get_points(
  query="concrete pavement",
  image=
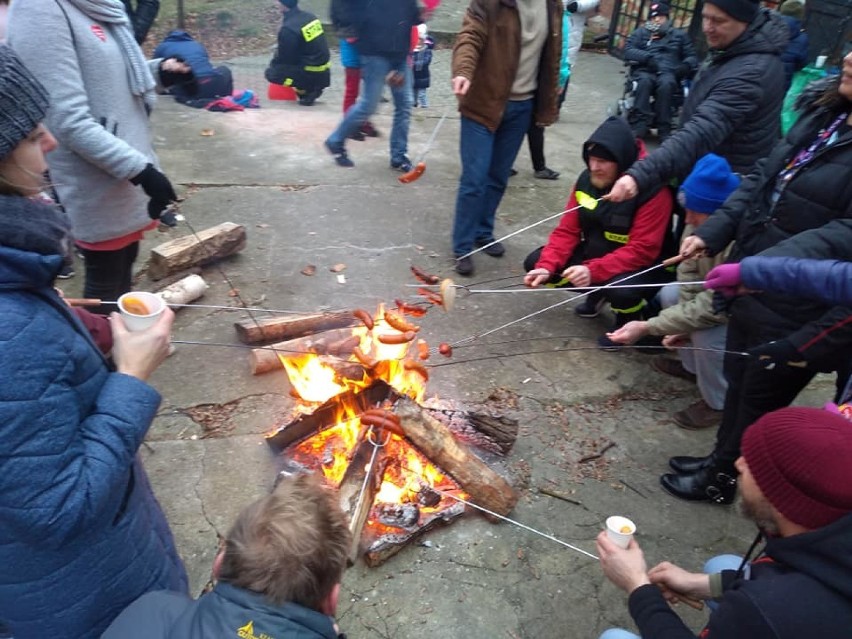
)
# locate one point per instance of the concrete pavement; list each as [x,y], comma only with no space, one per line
[267,169]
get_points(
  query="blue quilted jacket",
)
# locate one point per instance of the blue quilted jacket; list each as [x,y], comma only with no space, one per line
[81,533]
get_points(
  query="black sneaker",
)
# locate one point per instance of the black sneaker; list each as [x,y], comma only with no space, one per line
[589,308]
[464,266]
[547,174]
[403,166]
[67,272]
[358,136]
[369,130]
[606,344]
[340,155]
[495,250]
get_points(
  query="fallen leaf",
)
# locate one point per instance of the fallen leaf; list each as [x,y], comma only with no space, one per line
[234,292]
[207,132]
[310,269]
[337,268]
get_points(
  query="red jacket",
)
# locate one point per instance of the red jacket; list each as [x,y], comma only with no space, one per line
[647,235]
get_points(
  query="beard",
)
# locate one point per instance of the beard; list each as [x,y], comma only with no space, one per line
[759,512]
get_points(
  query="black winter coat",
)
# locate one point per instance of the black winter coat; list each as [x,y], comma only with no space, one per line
[302,57]
[383,27]
[733,108]
[821,191]
[800,587]
[672,52]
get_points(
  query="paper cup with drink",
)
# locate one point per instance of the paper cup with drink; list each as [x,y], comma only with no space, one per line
[620,530]
[140,309]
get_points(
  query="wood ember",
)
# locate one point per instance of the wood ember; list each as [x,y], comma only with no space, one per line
[397,515]
[428,497]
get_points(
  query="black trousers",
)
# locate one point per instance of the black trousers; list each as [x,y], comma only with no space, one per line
[535,137]
[109,275]
[662,86]
[753,391]
[622,301]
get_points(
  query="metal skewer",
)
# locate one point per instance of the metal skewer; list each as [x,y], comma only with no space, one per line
[549,289]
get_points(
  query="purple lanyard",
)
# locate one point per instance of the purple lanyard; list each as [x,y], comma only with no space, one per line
[806,155]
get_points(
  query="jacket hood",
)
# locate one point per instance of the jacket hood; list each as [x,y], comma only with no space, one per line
[817,89]
[767,33]
[616,136]
[825,555]
[231,611]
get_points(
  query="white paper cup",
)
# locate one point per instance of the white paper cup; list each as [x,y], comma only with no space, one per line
[820,61]
[131,305]
[615,527]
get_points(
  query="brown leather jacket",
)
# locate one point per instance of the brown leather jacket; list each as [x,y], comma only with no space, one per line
[487,51]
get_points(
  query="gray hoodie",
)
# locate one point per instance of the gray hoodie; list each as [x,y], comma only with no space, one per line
[102,128]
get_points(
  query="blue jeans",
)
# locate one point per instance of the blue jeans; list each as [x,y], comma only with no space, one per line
[713,565]
[486,160]
[374,69]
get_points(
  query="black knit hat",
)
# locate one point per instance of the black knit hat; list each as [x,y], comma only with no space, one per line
[23,101]
[742,10]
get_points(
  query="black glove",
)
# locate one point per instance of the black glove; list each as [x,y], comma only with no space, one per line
[683,71]
[779,352]
[571,7]
[651,65]
[186,80]
[158,188]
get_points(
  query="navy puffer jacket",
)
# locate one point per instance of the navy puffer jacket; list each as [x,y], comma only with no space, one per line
[733,108]
[81,533]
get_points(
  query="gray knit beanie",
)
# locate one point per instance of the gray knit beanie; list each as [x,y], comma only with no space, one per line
[23,101]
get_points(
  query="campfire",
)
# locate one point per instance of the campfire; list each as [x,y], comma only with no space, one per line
[398,461]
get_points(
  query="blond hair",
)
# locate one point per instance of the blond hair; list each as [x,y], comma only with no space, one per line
[291,545]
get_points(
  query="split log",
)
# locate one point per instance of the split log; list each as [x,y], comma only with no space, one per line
[291,326]
[358,491]
[181,253]
[334,342]
[484,486]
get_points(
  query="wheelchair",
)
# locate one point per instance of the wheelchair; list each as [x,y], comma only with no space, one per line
[625,105]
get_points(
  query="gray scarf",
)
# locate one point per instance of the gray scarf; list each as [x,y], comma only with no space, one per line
[113,14]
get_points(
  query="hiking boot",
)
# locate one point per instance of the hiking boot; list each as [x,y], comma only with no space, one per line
[673,367]
[589,307]
[697,416]
[495,250]
[547,174]
[339,154]
[464,266]
[403,166]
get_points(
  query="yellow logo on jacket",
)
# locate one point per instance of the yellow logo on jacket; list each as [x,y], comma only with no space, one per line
[312,30]
[247,632]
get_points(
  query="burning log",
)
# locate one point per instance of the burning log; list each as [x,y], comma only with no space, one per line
[484,486]
[327,415]
[211,245]
[291,326]
[334,342]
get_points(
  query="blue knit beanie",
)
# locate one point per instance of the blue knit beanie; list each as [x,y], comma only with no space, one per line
[709,184]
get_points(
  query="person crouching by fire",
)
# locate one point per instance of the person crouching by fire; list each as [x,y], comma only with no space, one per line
[278,574]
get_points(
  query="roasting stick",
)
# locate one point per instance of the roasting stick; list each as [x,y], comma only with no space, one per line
[420,166]
[693,603]
[528,227]
[74,301]
[549,289]
[665,263]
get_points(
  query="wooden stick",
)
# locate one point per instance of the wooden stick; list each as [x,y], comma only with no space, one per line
[557,495]
[82,301]
[596,455]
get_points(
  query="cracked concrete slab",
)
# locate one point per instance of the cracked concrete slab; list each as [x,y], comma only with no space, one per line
[267,170]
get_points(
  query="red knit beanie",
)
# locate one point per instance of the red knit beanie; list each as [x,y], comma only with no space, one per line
[801,459]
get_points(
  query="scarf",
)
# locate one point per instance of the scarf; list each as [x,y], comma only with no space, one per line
[29,225]
[114,16]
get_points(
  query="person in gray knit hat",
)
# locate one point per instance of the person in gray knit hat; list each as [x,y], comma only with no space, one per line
[82,535]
